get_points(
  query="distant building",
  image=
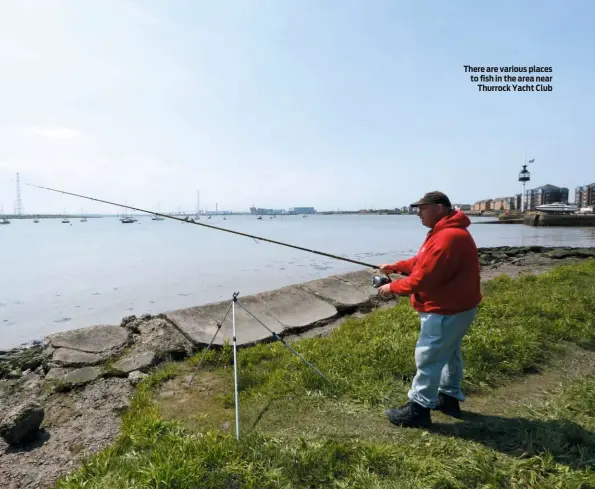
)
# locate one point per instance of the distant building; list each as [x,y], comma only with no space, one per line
[518,201]
[503,204]
[259,210]
[546,194]
[463,207]
[584,196]
[302,210]
[483,205]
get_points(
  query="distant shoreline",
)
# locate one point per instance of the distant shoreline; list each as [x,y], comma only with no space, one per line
[224,213]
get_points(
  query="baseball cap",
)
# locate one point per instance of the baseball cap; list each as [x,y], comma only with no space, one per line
[434,197]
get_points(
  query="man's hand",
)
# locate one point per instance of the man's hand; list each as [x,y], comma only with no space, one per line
[386,268]
[385,291]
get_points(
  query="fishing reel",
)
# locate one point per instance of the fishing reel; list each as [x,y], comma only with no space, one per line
[378,281]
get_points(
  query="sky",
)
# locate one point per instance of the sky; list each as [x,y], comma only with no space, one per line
[336,105]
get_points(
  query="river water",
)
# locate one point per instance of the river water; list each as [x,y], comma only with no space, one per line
[57,277]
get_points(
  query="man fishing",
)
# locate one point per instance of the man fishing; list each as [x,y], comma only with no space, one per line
[443,281]
[444,284]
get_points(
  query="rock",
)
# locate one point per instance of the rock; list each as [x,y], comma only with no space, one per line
[22,423]
[66,357]
[570,253]
[4,369]
[6,392]
[135,361]
[28,358]
[135,377]
[13,374]
[30,381]
[159,336]
[57,373]
[132,326]
[94,339]
[127,320]
[121,406]
[81,376]
[535,259]
[146,317]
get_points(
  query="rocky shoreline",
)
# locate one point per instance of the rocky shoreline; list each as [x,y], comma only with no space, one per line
[61,399]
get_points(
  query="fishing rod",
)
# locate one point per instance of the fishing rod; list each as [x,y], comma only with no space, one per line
[192,221]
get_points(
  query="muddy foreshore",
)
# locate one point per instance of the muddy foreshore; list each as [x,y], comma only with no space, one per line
[61,400]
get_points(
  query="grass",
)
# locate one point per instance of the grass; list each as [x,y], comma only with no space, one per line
[299,432]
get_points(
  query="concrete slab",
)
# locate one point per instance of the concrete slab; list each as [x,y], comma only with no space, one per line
[362,280]
[135,361]
[94,339]
[296,307]
[200,323]
[340,293]
[81,376]
[66,357]
[159,336]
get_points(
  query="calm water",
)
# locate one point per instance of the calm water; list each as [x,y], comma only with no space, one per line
[57,276]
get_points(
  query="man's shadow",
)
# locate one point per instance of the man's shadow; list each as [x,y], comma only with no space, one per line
[568,443]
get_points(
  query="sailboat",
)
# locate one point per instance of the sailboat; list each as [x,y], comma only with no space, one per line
[65,220]
[197,205]
[127,219]
[156,217]
[4,220]
[83,219]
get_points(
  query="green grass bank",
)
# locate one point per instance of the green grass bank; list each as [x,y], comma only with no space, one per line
[298,432]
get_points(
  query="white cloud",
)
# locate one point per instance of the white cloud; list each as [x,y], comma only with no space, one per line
[56,132]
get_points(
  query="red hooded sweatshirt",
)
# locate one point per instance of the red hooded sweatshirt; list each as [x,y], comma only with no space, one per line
[444,276]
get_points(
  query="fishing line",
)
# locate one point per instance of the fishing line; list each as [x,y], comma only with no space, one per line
[189,221]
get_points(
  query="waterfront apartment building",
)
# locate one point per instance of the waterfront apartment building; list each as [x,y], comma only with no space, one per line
[546,194]
[483,205]
[584,196]
[503,204]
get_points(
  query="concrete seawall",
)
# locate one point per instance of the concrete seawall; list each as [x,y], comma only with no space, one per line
[298,308]
[83,355]
[585,220]
[288,310]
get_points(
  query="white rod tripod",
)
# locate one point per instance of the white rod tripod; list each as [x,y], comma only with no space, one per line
[235,362]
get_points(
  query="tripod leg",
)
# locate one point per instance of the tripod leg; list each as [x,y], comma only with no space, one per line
[210,344]
[277,337]
[235,368]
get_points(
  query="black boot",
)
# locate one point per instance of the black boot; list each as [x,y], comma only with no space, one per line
[411,414]
[448,405]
